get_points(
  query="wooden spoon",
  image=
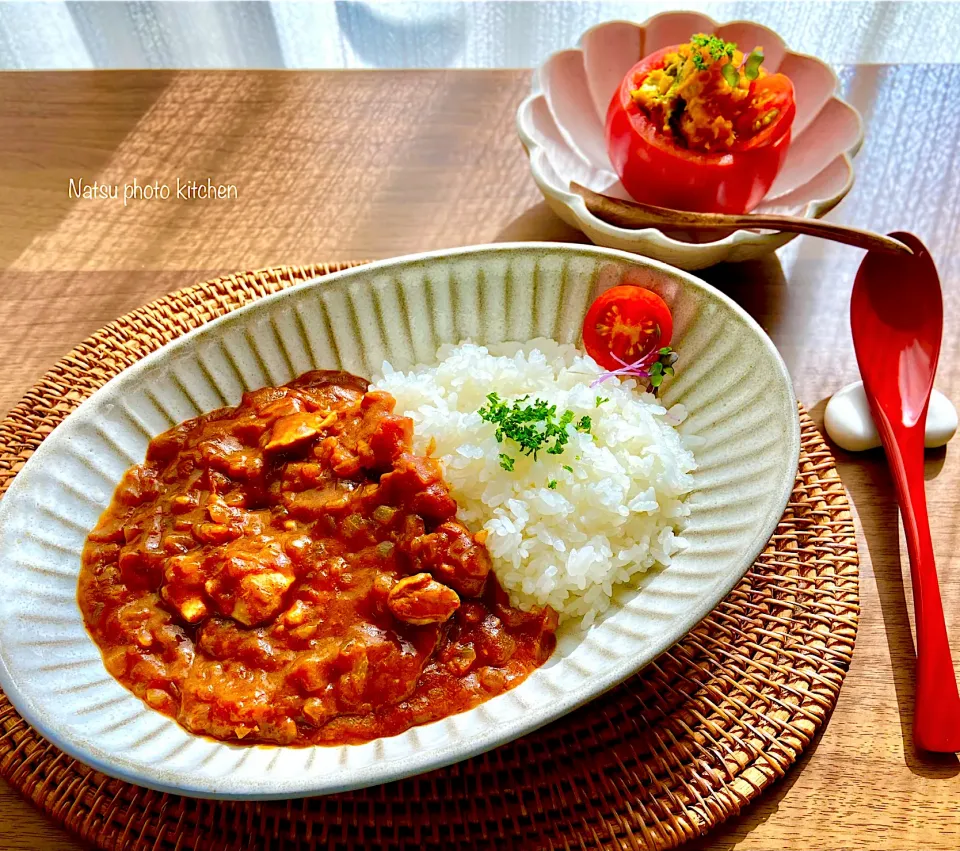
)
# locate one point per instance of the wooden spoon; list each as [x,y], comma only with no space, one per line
[630,214]
[896,315]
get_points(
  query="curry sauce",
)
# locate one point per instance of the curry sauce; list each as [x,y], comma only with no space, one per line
[289,572]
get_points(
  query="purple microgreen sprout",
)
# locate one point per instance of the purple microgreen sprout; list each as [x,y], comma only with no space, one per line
[651,369]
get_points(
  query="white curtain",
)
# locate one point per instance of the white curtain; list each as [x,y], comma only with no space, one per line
[480,34]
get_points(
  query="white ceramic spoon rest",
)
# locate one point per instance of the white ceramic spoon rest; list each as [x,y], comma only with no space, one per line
[849,424]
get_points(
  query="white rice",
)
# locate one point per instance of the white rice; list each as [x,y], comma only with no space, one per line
[616,515]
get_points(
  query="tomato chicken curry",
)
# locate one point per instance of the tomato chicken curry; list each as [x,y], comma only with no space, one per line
[289,572]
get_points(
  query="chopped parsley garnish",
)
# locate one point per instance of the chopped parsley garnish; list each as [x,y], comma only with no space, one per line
[601,400]
[533,425]
[715,46]
[552,484]
[568,468]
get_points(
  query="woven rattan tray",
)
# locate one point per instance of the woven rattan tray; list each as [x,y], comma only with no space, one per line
[662,758]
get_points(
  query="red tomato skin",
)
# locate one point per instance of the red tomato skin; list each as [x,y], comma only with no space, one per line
[636,303]
[656,170]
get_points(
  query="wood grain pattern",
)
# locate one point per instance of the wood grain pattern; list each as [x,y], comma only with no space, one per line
[350,165]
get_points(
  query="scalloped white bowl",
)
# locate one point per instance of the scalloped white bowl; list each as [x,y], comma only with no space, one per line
[730,377]
[561,125]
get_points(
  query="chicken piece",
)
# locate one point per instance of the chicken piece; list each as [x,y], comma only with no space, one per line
[330,387]
[220,512]
[260,597]
[388,435]
[459,658]
[216,533]
[495,645]
[452,555]
[390,439]
[138,485]
[109,530]
[343,461]
[271,402]
[185,503]
[313,672]
[354,663]
[417,483]
[189,605]
[225,639]
[411,533]
[228,701]
[249,427]
[420,599]
[296,614]
[248,579]
[301,475]
[226,454]
[160,700]
[314,503]
[270,408]
[182,585]
[295,431]
[319,710]
[368,667]
[164,447]
[185,570]
[141,558]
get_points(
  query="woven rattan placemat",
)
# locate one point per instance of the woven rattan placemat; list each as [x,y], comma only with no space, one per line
[665,756]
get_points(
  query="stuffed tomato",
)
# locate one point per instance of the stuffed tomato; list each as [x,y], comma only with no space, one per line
[700,127]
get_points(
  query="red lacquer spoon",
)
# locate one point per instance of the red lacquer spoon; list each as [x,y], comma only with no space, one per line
[896,313]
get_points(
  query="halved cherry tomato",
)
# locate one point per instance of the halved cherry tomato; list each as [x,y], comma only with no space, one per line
[628,322]
[655,169]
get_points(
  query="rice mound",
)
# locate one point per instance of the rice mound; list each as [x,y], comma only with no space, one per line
[616,515]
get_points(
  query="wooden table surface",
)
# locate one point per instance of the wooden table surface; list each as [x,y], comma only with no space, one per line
[351,165]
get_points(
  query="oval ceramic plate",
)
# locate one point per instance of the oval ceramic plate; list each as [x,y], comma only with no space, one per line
[730,377]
